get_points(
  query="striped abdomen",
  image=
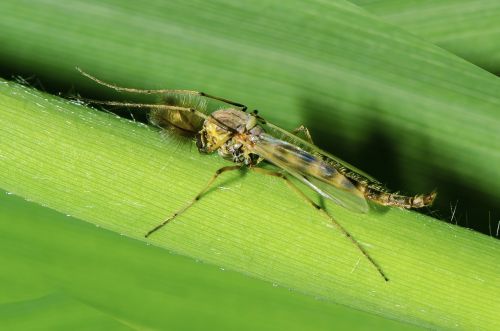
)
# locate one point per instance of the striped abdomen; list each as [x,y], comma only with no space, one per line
[310,168]
[376,192]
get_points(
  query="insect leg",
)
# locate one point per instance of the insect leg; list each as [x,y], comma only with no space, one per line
[233,103]
[146,105]
[159,91]
[324,212]
[305,131]
[196,198]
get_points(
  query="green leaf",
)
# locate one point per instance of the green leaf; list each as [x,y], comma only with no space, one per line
[59,274]
[361,85]
[467,28]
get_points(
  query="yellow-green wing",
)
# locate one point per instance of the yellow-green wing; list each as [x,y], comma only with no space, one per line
[312,171]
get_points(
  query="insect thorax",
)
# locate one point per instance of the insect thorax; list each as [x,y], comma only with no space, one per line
[229,131]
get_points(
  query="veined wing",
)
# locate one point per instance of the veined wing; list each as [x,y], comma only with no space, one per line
[343,167]
[312,171]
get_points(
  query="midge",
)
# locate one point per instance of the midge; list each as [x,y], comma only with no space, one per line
[247,139]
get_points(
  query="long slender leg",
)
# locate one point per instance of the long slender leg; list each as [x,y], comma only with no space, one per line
[146,105]
[304,130]
[324,212]
[159,91]
[196,198]
[158,106]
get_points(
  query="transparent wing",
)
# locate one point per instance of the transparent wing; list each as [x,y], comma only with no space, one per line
[312,171]
[347,169]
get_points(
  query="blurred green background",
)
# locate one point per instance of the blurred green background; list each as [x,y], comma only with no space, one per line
[62,274]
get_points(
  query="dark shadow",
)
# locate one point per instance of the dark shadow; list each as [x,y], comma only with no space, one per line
[377,155]
[85,88]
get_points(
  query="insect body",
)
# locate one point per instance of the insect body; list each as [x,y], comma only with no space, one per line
[247,139]
[242,138]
